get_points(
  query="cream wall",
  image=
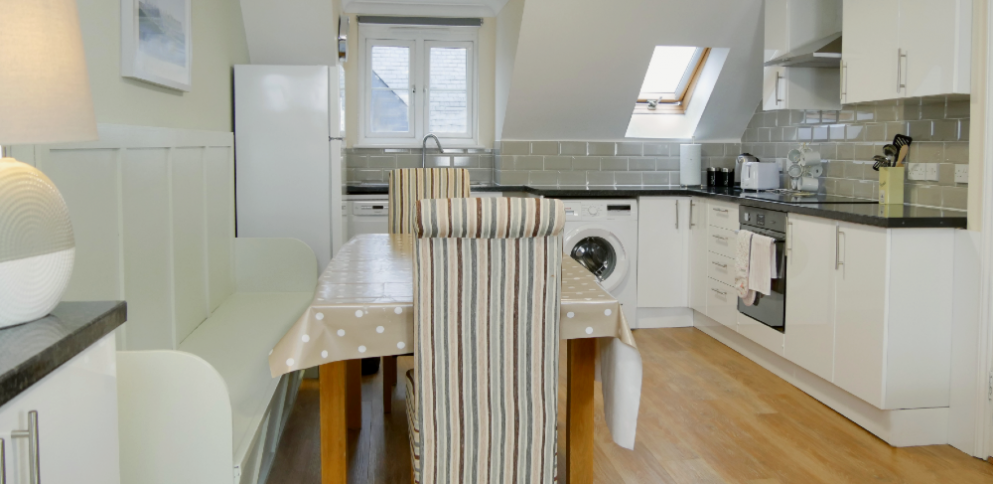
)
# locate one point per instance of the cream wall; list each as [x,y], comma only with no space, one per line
[508,30]
[486,63]
[218,44]
[977,127]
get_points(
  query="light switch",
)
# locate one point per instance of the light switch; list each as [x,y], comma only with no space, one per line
[916,171]
[961,173]
[932,171]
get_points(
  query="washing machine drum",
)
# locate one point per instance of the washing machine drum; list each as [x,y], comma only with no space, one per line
[600,252]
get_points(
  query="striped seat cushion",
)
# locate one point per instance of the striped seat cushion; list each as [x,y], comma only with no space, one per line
[410,185]
[486,308]
[413,431]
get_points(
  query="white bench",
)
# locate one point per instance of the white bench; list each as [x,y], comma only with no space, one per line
[153,213]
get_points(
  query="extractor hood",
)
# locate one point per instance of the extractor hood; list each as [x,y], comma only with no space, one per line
[824,52]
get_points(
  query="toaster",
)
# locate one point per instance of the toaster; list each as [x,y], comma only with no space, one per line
[759,176]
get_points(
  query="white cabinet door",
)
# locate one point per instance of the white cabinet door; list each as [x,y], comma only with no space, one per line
[663,233]
[929,37]
[722,303]
[77,422]
[698,255]
[859,315]
[870,46]
[810,274]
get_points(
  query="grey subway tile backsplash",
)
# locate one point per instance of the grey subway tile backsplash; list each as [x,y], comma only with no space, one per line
[544,147]
[601,148]
[573,148]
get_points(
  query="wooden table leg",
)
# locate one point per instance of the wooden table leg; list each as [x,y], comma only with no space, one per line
[334,435]
[579,411]
[353,394]
[389,381]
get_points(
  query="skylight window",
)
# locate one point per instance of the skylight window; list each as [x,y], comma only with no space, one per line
[671,75]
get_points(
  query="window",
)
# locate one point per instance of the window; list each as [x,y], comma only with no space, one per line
[417,80]
[670,79]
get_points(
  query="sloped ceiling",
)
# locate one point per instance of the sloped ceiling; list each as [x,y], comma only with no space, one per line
[438,8]
[579,64]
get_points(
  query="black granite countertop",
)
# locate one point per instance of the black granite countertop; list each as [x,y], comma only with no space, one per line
[886,216]
[30,351]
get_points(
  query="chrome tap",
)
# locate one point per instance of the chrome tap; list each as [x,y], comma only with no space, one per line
[424,148]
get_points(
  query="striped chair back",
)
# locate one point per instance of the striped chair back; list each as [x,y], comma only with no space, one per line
[486,326]
[409,185]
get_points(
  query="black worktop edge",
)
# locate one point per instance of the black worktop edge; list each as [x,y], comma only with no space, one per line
[631,192]
[44,362]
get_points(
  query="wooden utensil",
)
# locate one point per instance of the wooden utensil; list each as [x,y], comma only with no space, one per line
[903,154]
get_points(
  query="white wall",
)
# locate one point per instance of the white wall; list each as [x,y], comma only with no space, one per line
[580,63]
[218,44]
[291,32]
[508,30]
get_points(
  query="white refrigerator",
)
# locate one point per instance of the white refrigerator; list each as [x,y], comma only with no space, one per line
[288,160]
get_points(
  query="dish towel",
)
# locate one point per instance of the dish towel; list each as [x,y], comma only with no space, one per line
[762,264]
[743,260]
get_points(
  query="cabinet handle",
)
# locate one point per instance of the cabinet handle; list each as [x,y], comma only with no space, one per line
[779,77]
[32,435]
[722,293]
[900,84]
[844,82]
[691,226]
[722,266]
[837,248]
[718,237]
[677,214]
[721,210]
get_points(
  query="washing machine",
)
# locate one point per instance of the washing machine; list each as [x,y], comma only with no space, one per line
[602,235]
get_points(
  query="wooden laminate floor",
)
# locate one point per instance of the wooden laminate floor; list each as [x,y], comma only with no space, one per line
[708,415]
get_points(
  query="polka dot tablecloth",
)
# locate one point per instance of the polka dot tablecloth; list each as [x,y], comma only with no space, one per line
[363,307]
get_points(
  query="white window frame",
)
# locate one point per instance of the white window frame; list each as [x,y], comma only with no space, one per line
[423,38]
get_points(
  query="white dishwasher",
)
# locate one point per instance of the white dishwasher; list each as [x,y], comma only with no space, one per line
[365,214]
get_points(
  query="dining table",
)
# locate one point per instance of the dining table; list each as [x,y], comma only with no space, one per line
[363,308]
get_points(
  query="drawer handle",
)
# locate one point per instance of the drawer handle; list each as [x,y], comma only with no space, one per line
[722,266]
[32,435]
[720,237]
[721,210]
[722,293]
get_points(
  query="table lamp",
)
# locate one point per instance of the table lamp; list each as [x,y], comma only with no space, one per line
[44,98]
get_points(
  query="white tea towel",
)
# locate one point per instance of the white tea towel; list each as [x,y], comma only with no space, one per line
[762,264]
[743,251]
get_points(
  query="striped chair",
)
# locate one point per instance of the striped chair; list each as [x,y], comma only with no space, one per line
[407,187]
[482,398]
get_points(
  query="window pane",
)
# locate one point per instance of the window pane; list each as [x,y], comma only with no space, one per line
[448,112]
[665,71]
[448,68]
[391,66]
[389,111]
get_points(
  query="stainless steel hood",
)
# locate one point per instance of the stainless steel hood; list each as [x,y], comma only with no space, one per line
[824,52]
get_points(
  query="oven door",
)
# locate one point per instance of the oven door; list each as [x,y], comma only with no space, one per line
[771,310]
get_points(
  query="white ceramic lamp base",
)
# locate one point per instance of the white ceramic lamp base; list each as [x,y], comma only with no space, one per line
[37,248]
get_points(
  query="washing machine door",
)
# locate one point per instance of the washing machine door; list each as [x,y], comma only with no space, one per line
[600,252]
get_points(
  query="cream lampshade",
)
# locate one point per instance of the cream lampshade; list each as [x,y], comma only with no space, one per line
[44,98]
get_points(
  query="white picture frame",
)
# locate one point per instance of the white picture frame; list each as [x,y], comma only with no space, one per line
[157,42]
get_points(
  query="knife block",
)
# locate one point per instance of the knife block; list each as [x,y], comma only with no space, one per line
[891,185]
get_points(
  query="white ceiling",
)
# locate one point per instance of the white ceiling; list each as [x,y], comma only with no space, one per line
[422,8]
[579,64]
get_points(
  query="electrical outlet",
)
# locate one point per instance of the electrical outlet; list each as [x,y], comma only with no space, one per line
[916,171]
[961,173]
[932,171]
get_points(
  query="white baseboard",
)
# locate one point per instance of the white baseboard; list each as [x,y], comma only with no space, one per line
[899,428]
[664,318]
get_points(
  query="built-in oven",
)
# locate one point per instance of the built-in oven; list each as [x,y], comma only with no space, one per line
[769,310]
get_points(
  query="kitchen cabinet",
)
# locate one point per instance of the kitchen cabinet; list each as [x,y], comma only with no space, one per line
[76,409]
[698,255]
[860,332]
[790,24]
[854,314]
[722,228]
[663,236]
[905,48]
[810,301]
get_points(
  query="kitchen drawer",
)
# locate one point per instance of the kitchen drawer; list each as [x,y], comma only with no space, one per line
[721,242]
[721,268]
[723,216]
[722,303]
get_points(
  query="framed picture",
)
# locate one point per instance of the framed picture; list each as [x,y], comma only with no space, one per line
[156,42]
